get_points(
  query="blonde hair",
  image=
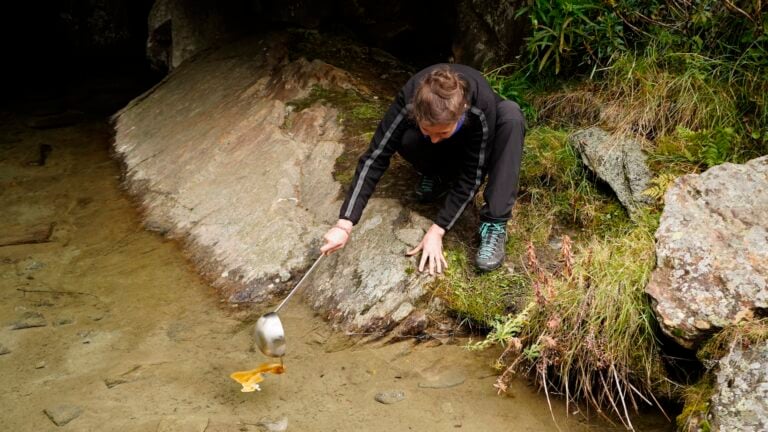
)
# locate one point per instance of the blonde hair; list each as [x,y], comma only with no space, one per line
[440,97]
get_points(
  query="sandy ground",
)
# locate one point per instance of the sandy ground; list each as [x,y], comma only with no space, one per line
[131,339]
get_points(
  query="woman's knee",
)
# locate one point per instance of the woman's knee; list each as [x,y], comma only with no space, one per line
[509,112]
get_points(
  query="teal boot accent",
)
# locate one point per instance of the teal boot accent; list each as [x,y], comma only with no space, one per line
[430,189]
[493,244]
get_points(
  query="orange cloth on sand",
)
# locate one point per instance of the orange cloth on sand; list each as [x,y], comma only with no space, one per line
[250,379]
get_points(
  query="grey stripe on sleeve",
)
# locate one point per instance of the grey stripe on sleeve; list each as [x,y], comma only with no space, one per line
[371,159]
[480,162]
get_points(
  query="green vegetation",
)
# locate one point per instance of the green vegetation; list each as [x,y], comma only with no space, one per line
[478,299]
[696,397]
[588,331]
[694,416]
[690,80]
[358,113]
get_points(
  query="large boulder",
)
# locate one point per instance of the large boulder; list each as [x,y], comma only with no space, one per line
[712,251]
[740,402]
[618,161]
[219,159]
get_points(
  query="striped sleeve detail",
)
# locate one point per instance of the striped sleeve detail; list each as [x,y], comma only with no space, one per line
[480,163]
[371,159]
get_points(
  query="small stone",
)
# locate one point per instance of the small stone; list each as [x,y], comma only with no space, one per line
[29,320]
[40,365]
[63,414]
[403,311]
[114,381]
[4,350]
[63,321]
[34,265]
[285,275]
[555,243]
[414,325]
[273,425]
[390,397]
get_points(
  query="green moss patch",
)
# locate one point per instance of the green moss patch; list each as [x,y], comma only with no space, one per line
[359,114]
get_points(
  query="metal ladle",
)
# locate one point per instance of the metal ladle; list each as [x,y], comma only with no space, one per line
[268,332]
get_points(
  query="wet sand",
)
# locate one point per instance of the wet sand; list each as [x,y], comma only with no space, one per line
[132,338]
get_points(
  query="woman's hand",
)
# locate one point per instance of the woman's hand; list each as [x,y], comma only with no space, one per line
[336,237]
[432,250]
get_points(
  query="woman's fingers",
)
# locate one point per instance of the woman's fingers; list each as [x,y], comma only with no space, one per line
[413,251]
[334,239]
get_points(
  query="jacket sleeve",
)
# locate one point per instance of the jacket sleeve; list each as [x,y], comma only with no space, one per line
[470,177]
[375,160]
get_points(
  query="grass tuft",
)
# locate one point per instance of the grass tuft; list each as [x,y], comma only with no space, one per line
[477,299]
[588,331]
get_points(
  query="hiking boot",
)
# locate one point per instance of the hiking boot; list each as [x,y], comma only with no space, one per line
[493,243]
[430,189]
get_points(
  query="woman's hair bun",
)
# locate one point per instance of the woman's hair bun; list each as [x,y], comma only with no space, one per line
[440,97]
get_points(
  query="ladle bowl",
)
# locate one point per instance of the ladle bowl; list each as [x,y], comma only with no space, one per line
[269,335]
[268,331]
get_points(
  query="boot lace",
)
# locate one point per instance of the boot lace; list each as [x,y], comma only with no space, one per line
[491,236]
[427,184]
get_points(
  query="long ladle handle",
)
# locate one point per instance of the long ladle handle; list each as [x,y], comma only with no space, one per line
[299,284]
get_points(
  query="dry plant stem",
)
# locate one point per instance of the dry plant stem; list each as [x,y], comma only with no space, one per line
[621,392]
[607,393]
[546,392]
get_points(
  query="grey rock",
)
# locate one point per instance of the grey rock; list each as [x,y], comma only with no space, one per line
[390,397]
[619,162]
[712,251]
[410,236]
[280,172]
[4,350]
[402,311]
[29,320]
[269,425]
[60,415]
[414,325]
[366,288]
[740,402]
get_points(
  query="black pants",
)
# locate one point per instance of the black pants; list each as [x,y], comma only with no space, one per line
[502,170]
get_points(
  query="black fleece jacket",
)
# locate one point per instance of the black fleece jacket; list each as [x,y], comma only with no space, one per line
[477,132]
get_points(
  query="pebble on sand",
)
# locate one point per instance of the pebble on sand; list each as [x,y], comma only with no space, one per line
[4,349]
[63,414]
[29,320]
[390,397]
[274,425]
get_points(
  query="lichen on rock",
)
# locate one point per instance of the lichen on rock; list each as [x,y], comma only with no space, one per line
[712,251]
